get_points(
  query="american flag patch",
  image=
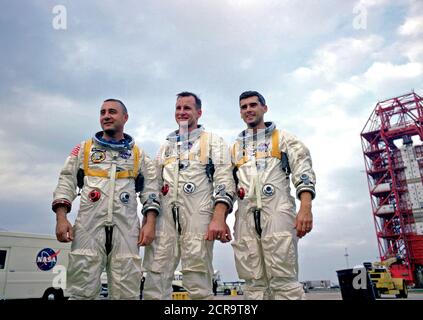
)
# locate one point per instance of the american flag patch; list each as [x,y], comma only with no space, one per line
[75,150]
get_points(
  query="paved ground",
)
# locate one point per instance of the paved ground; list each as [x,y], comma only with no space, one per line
[331,295]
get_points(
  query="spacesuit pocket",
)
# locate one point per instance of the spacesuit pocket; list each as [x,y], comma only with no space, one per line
[280,255]
[84,270]
[125,275]
[194,253]
[247,259]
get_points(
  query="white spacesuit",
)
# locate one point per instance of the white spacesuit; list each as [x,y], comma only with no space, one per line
[184,166]
[107,227]
[265,241]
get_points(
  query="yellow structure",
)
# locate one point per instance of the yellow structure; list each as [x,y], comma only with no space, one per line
[383,281]
[180,295]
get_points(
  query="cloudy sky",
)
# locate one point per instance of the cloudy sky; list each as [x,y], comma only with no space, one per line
[322,66]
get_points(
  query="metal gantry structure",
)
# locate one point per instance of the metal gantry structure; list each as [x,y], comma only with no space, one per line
[393,155]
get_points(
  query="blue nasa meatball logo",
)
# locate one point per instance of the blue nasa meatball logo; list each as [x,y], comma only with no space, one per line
[46,259]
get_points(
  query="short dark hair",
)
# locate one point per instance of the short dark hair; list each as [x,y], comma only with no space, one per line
[120,102]
[249,94]
[190,94]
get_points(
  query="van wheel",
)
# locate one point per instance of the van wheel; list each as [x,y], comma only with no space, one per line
[375,291]
[53,294]
[404,292]
[419,277]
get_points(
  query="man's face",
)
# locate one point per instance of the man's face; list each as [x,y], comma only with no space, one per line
[252,111]
[112,117]
[186,113]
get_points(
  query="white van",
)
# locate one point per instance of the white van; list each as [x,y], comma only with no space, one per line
[32,266]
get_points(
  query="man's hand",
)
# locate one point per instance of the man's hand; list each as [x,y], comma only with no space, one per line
[304,220]
[218,228]
[64,231]
[148,229]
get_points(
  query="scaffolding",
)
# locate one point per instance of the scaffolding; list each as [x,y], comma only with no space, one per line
[393,156]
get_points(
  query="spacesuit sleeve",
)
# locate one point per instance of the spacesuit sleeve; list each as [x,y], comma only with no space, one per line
[303,176]
[234,153]
[65,191]
[149,196]
[223,178]
[158,164]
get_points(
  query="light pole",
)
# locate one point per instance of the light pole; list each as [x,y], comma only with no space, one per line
[346,257]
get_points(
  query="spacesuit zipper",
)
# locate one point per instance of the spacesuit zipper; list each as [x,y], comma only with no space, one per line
[109,236]
[175,213]
[257,222]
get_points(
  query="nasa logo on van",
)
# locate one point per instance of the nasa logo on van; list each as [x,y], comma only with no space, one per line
[46,259]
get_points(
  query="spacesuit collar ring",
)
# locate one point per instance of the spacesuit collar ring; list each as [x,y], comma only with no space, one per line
[191,136]
[250,135]
[126,144]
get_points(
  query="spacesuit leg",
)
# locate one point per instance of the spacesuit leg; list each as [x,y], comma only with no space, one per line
[197,268]
[256,289]
[158,285]
[249,263]
[86,262]
[281,260]
[161,258]
[124,267]
[287,289]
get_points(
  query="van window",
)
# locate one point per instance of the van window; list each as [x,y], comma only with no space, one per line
[2,259]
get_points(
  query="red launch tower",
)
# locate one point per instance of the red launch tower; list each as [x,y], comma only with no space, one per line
[393,155]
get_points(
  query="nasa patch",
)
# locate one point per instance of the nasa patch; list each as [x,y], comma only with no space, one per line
[263,147]
[98,157]
[46,259]
[125,154]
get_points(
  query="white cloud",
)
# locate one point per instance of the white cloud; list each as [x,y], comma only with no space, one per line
[319,97]
[244,3]
[304,74]
[341,94]
[346,70]
[372,3]
[413,26]
[413,51]
[388,79]
[149,130]
[339,59]
[388,70]
[331,127]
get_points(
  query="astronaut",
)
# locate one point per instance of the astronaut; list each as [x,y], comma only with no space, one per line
[108,170]
[267,227]
[193,166]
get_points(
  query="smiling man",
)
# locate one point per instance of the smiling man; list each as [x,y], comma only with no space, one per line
[108,170]
[192,165]
[267,226]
